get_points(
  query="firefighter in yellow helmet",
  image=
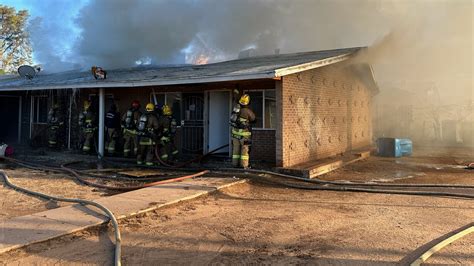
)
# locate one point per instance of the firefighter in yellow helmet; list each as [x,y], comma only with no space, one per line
[55,124]
[88,126]
[147,130]
[241,119]
[167,129]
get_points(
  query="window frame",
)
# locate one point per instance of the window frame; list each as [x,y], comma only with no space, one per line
[34,113]
[165,94]
[180,94]
[264,99]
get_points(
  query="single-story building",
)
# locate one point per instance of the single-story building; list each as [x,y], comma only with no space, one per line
[309,105]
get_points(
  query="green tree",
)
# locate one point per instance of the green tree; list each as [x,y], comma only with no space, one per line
[15,46]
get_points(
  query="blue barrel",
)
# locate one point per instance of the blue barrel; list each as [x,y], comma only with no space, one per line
[392,147]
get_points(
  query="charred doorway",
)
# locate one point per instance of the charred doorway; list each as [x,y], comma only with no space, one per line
[10,119]
[193,123]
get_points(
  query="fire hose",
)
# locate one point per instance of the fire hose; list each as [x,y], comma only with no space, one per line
[440,245]
[82,180]
[348,186]
[63,168]
[198,158]
[112,219]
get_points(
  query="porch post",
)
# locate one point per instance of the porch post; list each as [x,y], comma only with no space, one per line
[101,122]
[71,99]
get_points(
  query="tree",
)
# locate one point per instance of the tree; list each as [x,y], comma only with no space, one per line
[15,46]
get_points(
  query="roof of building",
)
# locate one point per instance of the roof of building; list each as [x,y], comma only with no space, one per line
[260,67]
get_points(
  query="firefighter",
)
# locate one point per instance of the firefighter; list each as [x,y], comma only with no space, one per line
[88,125]
[241,120]
[167,129]
[55,123]
[129,125]
[112,124]
[146,131]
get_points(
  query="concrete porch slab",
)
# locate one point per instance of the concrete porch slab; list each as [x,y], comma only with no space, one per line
[22,231]
[316,168]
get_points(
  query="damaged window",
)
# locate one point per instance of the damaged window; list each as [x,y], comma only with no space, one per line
[263,104]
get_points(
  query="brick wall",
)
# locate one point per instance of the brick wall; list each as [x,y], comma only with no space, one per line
[324,111]
[263,145]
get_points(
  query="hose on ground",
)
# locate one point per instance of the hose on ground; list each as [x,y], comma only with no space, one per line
[336,183]
[77,175]
[198,158]
[314,180]
[440,245]
[113,220]
[369,190]
[88,173]
[82,180]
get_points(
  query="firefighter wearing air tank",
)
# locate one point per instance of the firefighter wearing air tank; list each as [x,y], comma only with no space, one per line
[241,120]
[147,129]
[88,125]
[55,123]
[129,125]
[167,126]
[112,128]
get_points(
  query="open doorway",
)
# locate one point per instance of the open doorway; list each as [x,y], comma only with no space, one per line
[10,132]
[218,130]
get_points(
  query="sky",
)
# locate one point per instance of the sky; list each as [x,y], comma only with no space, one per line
[56,18]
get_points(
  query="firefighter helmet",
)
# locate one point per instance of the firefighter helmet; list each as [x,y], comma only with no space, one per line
[135,104]
[166,110]
[55,106]
[150,107]
[87,105]
[245,99]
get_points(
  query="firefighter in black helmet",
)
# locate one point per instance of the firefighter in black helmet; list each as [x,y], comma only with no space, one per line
[147,129]
[112,128]
[129,125]
[88,125]
[55,123]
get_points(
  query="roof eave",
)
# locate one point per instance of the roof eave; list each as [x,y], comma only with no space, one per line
[311,65]
[98,84]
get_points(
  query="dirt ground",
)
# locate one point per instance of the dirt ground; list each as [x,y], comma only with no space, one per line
[14,204]
[257,223]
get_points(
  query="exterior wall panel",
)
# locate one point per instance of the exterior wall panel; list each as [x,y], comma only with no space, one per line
[325,112]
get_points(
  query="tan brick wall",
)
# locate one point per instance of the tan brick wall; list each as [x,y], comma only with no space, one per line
[325,112]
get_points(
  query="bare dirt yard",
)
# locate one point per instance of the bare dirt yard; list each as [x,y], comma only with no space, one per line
[14,204]
[259,223]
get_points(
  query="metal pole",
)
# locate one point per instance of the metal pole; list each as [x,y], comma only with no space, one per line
[101,122]
[20,103]
[71,99]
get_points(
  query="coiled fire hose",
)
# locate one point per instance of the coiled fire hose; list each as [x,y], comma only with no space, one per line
[112,219]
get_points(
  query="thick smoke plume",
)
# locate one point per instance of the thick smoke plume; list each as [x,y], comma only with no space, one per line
[420,48]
